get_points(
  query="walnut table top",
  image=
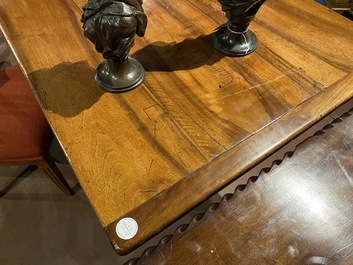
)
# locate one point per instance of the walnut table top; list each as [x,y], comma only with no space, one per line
[157,151]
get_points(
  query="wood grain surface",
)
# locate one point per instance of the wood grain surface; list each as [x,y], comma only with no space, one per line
[157,151]
[298,212]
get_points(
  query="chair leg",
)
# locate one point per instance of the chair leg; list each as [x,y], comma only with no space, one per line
[26,172]
[49,167]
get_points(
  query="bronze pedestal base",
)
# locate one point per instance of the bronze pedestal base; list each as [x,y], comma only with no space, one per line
[119,76]
[235,43]
[234,38]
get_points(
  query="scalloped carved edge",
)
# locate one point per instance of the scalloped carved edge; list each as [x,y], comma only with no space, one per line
[240,189]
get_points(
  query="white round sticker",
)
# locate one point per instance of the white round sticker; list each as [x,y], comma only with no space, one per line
[126,228]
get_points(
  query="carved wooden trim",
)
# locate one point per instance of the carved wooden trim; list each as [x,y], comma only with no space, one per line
[340,4]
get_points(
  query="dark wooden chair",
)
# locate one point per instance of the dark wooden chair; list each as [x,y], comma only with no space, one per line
[298,212]
[25,134]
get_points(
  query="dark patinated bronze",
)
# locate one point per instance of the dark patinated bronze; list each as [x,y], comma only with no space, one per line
[234,38]
[111,25]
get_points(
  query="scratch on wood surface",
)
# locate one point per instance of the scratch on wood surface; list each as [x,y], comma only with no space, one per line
[216,252]
[149,169]
[344,170]
[344,248]
[151,190]
[265,83]
[154,135]
[161,254]
[253,87]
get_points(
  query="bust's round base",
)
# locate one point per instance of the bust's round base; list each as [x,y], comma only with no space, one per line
[234,44]
[120,76]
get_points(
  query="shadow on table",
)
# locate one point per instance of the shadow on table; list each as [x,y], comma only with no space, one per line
[67,89]
[185,55]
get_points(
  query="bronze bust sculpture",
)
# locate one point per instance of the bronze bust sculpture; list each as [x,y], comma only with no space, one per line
[111,25]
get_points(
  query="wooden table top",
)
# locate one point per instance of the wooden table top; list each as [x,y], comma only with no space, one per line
[199,120]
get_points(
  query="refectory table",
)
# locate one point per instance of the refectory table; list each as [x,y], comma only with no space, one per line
[198,121]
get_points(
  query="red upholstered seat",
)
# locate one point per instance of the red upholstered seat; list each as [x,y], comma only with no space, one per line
[24,131]
[25,134]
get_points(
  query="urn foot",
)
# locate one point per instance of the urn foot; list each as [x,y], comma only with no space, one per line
[235,43]
[119,76]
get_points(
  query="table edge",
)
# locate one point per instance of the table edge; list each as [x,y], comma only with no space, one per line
[335,95]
